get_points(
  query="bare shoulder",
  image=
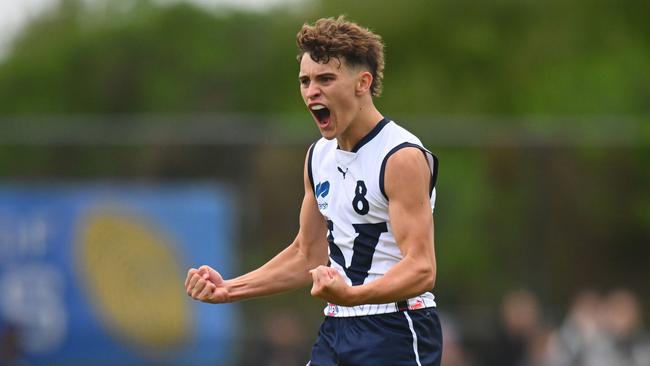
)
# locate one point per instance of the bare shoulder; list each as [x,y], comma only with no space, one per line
[407,172]
[407,157]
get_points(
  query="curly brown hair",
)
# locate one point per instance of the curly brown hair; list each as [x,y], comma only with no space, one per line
[337,37]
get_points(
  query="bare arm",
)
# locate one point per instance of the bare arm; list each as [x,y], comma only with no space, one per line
[407,182]
[287,271]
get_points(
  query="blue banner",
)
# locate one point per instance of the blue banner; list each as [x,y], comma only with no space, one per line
[94,274]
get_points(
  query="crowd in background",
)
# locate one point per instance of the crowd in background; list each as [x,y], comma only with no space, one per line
[597,330]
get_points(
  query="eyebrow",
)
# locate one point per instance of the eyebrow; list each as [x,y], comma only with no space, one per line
[302,76]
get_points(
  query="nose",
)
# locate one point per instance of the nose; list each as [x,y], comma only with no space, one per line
[313,91]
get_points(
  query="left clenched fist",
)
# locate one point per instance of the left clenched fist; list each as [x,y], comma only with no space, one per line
[330,286]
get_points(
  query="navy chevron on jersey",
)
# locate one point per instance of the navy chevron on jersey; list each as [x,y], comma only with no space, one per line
[349,188]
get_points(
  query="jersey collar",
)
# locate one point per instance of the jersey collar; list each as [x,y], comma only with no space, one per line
[369,136]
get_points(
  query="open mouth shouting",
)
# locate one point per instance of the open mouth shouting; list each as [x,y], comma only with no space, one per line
[321,114]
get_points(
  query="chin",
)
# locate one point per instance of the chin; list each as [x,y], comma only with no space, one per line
[327,135]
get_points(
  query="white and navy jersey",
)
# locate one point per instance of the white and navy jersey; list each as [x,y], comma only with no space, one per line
[349,188]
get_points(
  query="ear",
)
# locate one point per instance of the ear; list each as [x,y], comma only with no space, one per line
[364,82]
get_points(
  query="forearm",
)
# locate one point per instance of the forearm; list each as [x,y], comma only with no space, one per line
[289,270]
[408,278]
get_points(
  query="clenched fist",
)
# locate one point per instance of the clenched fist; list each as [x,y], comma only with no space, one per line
[205,284]
[329,285]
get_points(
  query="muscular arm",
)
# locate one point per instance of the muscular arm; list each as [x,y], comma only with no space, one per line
[406,182]
[288,270]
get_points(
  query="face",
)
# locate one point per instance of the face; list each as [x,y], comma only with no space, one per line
[329,91]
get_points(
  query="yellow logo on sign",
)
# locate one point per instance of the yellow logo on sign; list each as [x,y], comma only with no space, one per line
[133,280]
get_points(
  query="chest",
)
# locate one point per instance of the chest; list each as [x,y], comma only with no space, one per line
[347,187]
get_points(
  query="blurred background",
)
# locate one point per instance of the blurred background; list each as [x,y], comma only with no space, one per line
[139,138]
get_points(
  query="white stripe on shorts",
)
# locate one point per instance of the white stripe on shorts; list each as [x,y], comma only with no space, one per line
[415,339]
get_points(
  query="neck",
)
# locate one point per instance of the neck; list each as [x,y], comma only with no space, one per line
[360,126]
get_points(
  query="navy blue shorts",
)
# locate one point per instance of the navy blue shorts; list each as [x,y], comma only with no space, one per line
[410,337]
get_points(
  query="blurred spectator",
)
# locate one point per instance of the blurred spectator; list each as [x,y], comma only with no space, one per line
[572,342]
[622,323]
[601,331]
[11,353]
[283,343]
[522,336]
[453,351]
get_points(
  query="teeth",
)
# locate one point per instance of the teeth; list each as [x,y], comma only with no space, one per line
[317,107]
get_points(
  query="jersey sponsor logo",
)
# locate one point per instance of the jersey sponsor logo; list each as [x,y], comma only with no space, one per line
[332,309]
[419,304]
[343,172]
[322,190]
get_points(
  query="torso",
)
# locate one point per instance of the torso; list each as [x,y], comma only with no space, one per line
[349,189]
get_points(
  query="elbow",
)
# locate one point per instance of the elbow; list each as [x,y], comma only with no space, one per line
[432,275]
[321,261]
[427,277]
[318,256]
[313,253]
[429,280]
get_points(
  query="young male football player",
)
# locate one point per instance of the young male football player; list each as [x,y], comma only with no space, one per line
[369,196]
